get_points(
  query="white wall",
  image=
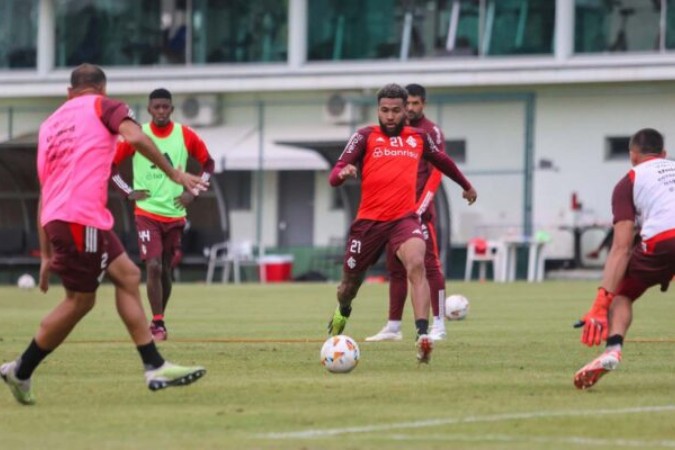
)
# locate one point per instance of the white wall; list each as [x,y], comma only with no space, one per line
[571,128]
[328,223]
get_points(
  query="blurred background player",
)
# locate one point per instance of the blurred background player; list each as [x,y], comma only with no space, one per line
[76,145]
[644,195]
[388,156]
[428,180]
[160,203]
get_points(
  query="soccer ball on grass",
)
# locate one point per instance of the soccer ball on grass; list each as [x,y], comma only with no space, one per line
[25,281]
[340,354]
[456,307]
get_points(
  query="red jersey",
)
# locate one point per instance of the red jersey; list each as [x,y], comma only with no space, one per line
[428,178]
[389,166]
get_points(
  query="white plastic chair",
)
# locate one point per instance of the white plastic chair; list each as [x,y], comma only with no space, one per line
[230,256]
[483,252]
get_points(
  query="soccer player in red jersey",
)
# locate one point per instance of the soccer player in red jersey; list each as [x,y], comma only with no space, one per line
[160,203]
[428,181]
[644,199]
[76,145]
[388,156]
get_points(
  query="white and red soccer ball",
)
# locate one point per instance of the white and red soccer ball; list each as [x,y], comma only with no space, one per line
[340,354]
[456,307]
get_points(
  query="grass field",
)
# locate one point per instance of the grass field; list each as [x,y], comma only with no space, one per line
[503,379]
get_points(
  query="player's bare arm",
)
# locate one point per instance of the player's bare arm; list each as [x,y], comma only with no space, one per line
[619,255]
[45,253]
[142,143]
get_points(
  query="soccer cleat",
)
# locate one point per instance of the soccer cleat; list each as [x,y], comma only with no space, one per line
[588,375]
[20,388]
[159,332]
[424,347]
[172,375]
[385,335]
[337,324]
[437,332]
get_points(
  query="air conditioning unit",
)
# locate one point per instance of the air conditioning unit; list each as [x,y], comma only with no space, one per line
[340,109]
[199,110]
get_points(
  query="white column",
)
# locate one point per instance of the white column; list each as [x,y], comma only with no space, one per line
[564,29]
[297,33]
[46,37]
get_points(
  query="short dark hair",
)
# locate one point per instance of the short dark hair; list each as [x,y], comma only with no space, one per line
[392,91]
[87,75]
[160,93]
[647,141]
[417,90]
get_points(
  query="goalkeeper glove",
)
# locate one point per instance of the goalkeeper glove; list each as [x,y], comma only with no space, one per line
[594,323]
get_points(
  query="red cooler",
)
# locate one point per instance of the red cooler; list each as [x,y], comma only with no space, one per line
[276,268]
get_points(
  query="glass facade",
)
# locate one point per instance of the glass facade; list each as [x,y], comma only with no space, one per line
[624,26]
[18,33]
[239,31]
[402,29]
[108,32]
[180,32]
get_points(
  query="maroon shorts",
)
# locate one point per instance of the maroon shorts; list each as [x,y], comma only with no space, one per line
[432,259]
[159,239]
[81,254]
[647,269]
[368,239]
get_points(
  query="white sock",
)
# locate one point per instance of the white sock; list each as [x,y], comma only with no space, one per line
[438,322]
[394,325]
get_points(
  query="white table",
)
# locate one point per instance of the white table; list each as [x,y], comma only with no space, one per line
[535,258]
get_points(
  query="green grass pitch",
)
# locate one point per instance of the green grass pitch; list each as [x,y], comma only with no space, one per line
[503,379]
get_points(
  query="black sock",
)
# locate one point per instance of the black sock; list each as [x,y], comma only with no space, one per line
[345,310]
[30,359]
[150,356]
[159,323]
[422,326]
[615,339]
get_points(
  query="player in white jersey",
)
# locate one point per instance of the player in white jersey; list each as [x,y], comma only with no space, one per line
[643,199]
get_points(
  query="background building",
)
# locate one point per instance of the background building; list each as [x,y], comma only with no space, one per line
[537,99]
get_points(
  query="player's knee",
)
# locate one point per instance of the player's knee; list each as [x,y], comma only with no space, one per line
[415,265]
[154,268]
[82,303]
[132,275]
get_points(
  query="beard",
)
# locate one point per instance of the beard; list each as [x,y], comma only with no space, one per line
[396,131]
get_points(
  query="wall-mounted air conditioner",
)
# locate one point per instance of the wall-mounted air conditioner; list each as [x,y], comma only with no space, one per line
[199,110]
[342,109]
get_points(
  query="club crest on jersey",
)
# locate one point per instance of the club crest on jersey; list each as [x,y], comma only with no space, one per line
[351,262]
[411,141]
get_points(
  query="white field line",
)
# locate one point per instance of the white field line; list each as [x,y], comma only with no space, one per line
[319,433]
[504,438]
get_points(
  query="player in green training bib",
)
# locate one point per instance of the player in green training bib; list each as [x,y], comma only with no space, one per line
[160,203]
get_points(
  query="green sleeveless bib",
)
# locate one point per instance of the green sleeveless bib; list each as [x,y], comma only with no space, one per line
[162,190]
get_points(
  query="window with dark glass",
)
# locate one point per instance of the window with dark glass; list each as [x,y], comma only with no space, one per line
[617,147]
[18,33]
[119,33]
[239,31]
[456,149]
[623,25]
[237,186]
[402,29]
